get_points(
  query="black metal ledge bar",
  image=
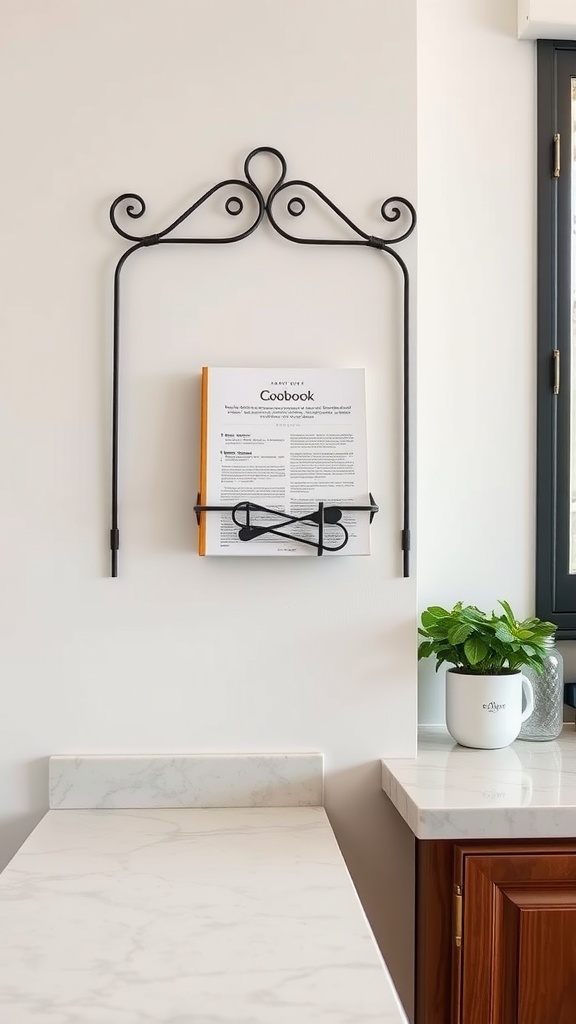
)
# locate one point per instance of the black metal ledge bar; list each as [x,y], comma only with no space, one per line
[323,515]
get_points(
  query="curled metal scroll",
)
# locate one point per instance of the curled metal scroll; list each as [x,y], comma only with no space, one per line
[395,210]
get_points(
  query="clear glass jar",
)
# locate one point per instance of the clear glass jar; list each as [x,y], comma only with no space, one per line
[545,722]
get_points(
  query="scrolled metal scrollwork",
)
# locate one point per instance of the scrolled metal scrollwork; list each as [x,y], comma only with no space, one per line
[392,210]
[389,213]
[396,214]
[296,212]
[129,198]
[273,199]
[238,206]
[129,210]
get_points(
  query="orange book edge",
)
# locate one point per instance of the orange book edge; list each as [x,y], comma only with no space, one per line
[203,460]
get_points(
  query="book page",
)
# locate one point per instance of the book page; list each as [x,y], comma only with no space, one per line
[285,439]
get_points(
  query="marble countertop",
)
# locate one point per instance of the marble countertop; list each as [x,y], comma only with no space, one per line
[524,791]
[187,916]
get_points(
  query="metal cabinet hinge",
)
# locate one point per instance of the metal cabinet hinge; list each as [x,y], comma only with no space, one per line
[556,371]
[557,155]
[457,915]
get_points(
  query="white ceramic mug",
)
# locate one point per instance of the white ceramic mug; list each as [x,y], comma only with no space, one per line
[486,711]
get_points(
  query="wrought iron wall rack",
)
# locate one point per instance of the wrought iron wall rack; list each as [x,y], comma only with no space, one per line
[392,210]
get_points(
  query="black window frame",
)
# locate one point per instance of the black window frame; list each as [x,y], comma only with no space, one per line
[555,585]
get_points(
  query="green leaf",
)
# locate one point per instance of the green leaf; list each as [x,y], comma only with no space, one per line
[431,621]
[504,633]
[531,623]
[437,632]
[528,649]
[511,618]
[475,649]
[459,633]
[541,629]
[471,614]
[425,649]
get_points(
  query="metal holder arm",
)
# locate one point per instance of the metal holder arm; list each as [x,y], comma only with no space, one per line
[323,515]
[392,210]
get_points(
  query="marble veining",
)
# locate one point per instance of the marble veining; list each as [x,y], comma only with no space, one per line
[187,916]
[186,780]
[526,790]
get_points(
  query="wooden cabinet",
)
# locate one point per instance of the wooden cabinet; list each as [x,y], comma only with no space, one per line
[496,932]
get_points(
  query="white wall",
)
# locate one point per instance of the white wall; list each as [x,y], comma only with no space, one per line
[165,98]
[476,312]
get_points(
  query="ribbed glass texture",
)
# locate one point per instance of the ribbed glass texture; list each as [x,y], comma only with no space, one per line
[545,722]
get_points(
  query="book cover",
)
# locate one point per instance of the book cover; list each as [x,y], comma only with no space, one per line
[284,439]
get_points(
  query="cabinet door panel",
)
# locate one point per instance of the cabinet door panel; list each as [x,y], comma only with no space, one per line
[519,939]
[547,961]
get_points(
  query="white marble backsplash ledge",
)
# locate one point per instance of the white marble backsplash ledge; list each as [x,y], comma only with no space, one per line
[186,780]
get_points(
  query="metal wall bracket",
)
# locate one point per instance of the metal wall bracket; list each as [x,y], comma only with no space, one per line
[392,210]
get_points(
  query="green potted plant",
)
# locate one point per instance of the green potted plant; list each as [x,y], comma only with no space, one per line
[484,683]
